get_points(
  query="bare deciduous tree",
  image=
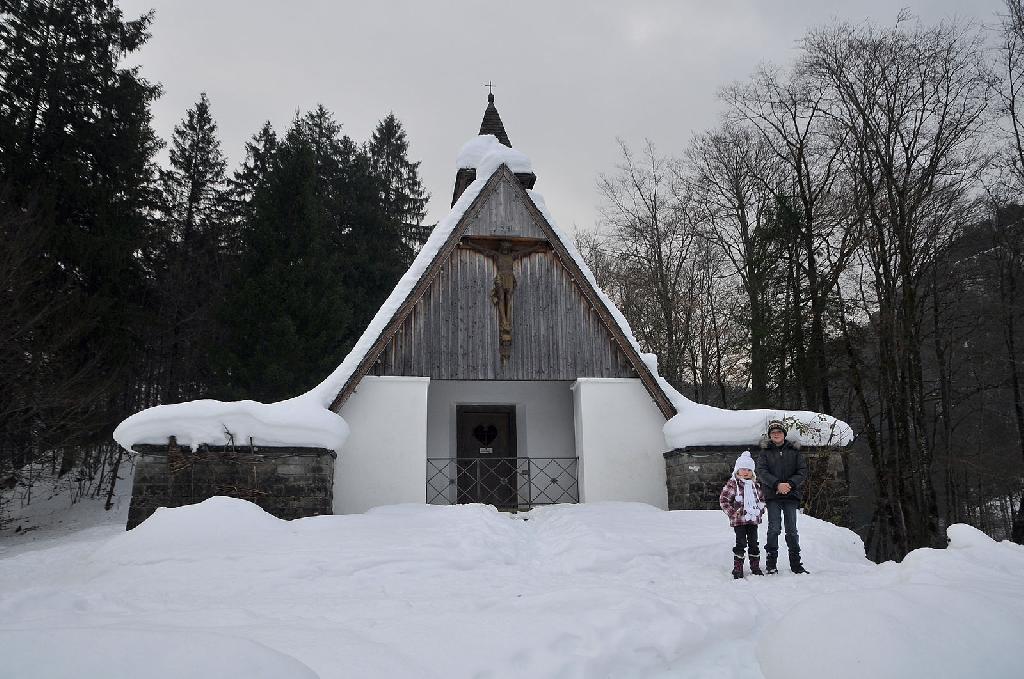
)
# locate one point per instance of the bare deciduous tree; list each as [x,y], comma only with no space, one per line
[651,242]
[734,178]
[909,102]
[787,109]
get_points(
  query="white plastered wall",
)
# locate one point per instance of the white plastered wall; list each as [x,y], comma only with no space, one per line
[384,460]
[619,441]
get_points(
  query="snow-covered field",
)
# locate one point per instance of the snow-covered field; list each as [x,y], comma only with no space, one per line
[222,589]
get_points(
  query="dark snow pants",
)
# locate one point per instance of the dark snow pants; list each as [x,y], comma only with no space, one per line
[746,536]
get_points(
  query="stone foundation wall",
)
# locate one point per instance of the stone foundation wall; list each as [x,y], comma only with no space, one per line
[695,477]
[289,483]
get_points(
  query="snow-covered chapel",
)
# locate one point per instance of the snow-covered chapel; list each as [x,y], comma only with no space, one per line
[496,371]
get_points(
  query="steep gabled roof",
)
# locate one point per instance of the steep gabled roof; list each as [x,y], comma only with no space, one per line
[397,308]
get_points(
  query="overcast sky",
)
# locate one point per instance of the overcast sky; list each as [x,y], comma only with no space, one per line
[569,77]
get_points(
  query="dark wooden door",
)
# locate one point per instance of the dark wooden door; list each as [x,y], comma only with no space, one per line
[486,451]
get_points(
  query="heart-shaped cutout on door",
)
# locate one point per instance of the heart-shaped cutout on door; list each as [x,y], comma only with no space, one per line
[485,434]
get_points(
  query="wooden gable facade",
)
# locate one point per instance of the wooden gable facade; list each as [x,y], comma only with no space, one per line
[450,326]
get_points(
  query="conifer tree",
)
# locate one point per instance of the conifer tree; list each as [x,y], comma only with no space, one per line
[402,196]
[189,270]
[193,187]
[287,315]
[318,258]
[76,148]
[247,180]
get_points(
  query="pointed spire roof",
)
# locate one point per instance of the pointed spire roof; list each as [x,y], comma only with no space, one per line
[491,124]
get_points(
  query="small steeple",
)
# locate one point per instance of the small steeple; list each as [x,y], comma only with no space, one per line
[491,124]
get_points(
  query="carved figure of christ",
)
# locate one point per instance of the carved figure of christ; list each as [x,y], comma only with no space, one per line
[504,256]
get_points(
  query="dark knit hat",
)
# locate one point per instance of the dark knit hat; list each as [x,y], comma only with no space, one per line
[777,424]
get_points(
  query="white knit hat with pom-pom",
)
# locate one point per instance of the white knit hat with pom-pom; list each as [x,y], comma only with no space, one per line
[744,461]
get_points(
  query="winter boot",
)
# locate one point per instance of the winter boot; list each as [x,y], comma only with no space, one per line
[770,566]
[793,546]
[755,565]
[737,564]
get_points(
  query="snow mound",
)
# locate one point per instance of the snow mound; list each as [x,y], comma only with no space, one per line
[298,421]
[413,591]
[938,614]
[118,653]
[219,524]
[485,154]
[962,536]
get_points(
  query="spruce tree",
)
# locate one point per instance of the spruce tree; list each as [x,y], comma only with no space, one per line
[318,257]
[76,148]
[247,181]
[190,268]
[194,185]
[287,315]
[402,196]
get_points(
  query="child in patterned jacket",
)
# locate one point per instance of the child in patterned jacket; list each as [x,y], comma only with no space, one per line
[743,502]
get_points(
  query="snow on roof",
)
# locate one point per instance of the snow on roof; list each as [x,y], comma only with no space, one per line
[485,154]
[299,421]
[697,424]
[702,425]
[570,247]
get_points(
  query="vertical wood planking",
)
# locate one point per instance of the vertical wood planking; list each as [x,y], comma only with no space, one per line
[504,214]
[452,332]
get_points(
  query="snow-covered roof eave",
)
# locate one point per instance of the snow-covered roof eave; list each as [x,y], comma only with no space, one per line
[703,425]
[299,422]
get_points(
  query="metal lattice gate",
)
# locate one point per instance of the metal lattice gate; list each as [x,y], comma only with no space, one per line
[505,482]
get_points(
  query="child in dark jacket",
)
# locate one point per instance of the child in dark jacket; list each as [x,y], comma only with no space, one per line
[782,469]
[743,502]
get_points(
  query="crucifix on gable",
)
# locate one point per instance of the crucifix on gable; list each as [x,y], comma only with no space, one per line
[504,253]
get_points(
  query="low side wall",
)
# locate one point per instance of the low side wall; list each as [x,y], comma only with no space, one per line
[289,483]
[695,476]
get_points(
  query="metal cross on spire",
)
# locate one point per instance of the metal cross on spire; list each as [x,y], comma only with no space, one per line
[489,85]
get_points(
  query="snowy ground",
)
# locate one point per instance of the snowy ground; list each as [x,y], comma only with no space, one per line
[222,589]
